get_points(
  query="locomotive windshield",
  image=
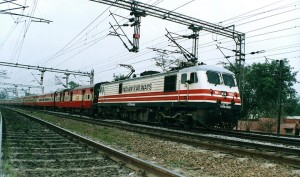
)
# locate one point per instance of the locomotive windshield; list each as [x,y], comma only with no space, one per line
[228,80]
[213,77]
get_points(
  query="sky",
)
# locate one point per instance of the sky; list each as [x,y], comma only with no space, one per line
[77,38]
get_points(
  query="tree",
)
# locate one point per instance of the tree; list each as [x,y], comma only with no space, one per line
[119,77]
[73,84]
[260,88]
[163,61]
[297,109]
[3,95]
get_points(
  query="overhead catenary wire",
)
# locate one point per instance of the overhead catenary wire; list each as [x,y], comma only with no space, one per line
[269,26]
[81,38]
[122,59]
[62,51]
[78,34]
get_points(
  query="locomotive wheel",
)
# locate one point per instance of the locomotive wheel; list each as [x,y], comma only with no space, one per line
[189,123]
[162,121]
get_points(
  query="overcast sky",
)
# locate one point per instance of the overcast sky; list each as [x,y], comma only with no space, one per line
[78,39]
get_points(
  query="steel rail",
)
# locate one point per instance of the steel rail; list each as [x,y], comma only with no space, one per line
[135,163]
[280,154]
[273,138]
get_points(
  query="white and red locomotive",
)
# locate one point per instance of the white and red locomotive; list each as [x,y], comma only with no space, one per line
[205,95]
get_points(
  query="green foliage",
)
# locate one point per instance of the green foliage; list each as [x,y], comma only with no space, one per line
[297,110]
[165,63]
[119,77]
[73,84]
[261,89]
[3,95]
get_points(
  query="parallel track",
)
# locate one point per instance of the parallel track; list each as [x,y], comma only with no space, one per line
[285,151]
[34,147]
[258,136]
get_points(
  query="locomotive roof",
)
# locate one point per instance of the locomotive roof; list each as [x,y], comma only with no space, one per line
[189,69]
[205,68]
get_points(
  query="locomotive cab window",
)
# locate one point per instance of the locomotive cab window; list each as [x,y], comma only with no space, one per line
[193,78]
[183,78]
[170,83]
[228,80]
[213,77]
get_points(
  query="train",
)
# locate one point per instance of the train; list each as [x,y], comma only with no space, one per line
[199,95]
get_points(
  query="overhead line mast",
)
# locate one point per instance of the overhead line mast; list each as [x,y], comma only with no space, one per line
[19,85]
[193,23]
[44,69]
[139,9]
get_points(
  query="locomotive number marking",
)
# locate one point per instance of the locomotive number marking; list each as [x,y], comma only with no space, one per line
[131,104]
[225,106]
[138,87]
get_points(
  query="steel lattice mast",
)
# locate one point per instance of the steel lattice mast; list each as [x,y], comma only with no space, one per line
[139,9]
[142,9]
[44,69]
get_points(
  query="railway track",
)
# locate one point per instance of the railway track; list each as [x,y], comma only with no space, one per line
[258,136]
[269,147]
[33,147]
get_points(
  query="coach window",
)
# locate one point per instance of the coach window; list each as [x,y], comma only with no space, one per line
[193,77]
[213,77]
[228,80]
[183,78]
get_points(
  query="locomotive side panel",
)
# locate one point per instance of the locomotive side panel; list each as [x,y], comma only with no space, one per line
[138,92]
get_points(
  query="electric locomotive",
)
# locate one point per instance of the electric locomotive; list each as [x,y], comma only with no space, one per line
[197,95]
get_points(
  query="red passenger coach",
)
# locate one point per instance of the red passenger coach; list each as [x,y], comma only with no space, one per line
[79,99]
[30,100]
[60,99]
[45,100]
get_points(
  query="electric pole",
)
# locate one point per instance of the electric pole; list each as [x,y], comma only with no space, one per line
[44,69]
[280,96]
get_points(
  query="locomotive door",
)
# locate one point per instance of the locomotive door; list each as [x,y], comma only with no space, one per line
[184,88]
[83,99]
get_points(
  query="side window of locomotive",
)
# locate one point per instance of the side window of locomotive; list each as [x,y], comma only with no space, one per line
[120,88]
[183,78]
[228,80]
[213,77]
[170,83]
[193,77]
